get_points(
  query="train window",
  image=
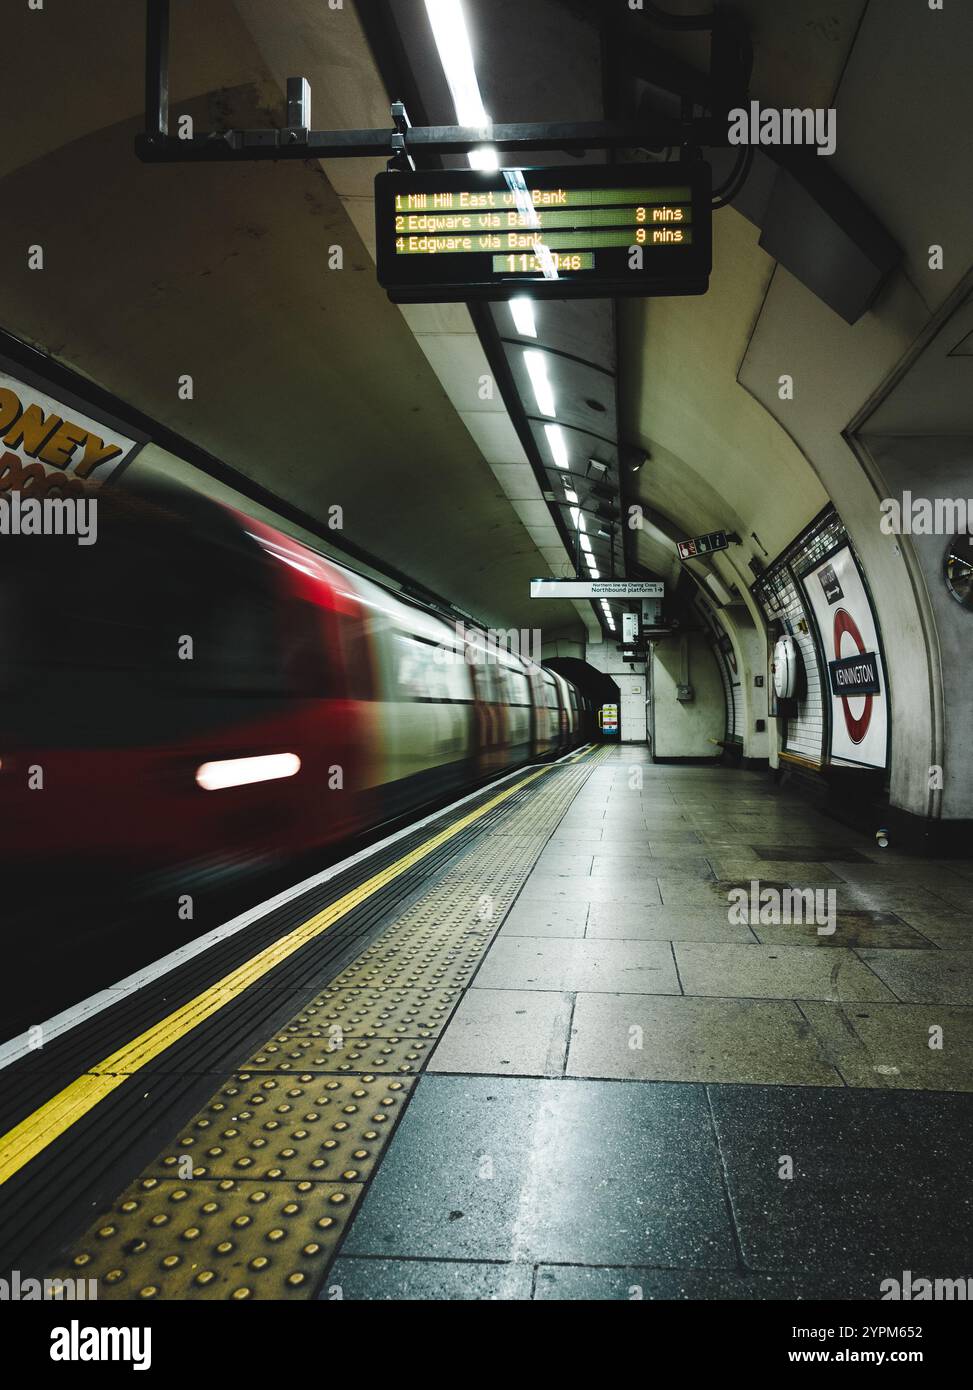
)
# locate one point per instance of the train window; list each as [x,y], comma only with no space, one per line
[157,632]
[356,639]
[304,650]
[958,569]
[487,678]
[424,671]
[516,690]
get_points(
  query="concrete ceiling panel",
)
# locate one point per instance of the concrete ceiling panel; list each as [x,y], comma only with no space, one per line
[461,366]
[517,481]
[495,436]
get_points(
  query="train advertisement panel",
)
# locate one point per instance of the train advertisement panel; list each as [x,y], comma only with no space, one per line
[51,444]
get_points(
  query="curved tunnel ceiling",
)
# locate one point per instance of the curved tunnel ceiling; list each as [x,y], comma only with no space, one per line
[310,381]
[431,475]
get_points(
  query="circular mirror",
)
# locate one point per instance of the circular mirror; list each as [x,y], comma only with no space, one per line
[958,569]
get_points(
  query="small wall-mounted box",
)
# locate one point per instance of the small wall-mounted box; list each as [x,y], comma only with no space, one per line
[684,693]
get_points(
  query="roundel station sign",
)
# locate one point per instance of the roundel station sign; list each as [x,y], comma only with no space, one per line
[855,681]
[846,633]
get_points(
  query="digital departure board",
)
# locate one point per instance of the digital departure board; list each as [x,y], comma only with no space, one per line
[597,231]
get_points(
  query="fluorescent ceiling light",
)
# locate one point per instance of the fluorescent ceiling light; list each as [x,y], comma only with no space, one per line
[242,772]
[570,493]
[586,544]
[522,312]
[456,55]
[452,36]
[537,368]
[559,448]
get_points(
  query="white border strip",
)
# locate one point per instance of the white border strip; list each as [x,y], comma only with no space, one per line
[63,1022]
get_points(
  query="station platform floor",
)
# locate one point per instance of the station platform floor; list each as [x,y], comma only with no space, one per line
[560,1059]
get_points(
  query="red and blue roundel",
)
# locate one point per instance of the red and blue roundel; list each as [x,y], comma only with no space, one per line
[845,625]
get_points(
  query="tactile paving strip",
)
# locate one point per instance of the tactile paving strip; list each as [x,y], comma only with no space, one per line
[288,1128]
[407,1013]
[253,1196]
[208,1239]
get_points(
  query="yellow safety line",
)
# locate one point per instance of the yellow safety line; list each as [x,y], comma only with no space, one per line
[33,1134]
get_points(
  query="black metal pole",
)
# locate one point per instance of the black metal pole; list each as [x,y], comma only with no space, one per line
[358,144]
[157,69]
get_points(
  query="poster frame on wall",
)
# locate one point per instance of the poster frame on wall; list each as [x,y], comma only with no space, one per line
[69,398]
[845,762]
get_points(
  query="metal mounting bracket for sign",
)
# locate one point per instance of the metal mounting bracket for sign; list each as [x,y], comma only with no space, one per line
[298,111]
[401,161]
[297,141]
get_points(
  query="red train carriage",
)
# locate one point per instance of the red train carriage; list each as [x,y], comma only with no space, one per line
[197,684]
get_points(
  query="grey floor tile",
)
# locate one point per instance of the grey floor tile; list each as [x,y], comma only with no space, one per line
[725,867]
[496,1168]
[958,866]
[776,972]
[661,835]
[824,851]
[631,1037]
[681,892]
[925,977]
[564,862]
[584,888]
[423,1281]
[883,1180]
[917,873]
[600,1284]
[612,921]
[541,918]
[506,1032]
[888,1045]
[851,930]
[627,875]
[694,868]
[950,929]
[856,897]
[642,853]
[531,963]
[626,836]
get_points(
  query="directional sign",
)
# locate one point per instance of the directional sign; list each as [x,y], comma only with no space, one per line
[703,545]
[596,588]
[596,231]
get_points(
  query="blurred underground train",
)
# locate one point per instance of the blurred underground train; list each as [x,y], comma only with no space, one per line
[197,685]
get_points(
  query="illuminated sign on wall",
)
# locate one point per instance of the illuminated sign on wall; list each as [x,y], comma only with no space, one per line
[608,719]
[590,232]
[702,545]
[596,588]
